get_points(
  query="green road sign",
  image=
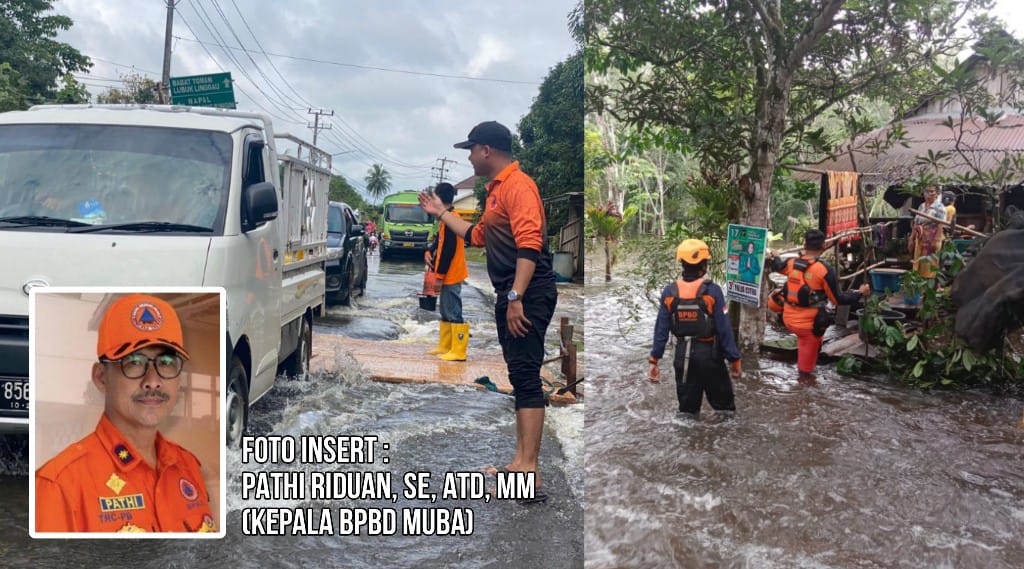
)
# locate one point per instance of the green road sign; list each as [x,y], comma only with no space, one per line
[214,90]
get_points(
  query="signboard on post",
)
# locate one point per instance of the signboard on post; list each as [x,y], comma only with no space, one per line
[745,249]
[214,90]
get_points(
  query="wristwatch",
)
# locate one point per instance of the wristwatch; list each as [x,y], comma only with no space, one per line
[513,296]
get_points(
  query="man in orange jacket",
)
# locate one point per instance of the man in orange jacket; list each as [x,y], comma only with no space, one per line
[125,476]
[449,263]
[812,283]
[513,228]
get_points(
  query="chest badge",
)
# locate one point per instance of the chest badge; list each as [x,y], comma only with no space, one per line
[115,483]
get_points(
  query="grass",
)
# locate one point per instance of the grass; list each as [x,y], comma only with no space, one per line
[476,254]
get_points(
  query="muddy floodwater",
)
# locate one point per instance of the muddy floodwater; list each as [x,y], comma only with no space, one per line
[429,428]
[855,473]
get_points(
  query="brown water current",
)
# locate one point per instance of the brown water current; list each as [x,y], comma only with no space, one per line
[852,472]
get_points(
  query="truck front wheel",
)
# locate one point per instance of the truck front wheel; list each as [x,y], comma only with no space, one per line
[237,403]
[298,363]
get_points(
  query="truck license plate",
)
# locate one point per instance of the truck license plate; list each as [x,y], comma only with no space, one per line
[13,394]
[408,244]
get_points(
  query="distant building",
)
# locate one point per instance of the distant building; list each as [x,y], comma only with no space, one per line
[465,199]
[968,143]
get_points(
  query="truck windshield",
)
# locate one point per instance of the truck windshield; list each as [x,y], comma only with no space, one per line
[407,213]
[112,175]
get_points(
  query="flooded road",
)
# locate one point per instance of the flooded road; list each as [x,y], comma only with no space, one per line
[849,473]
[432,428]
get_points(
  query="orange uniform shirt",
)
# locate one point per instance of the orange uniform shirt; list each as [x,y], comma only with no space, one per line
[817,277]
[513,225]
[450,260]
[102,484]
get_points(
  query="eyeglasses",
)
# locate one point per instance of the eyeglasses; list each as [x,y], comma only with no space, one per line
[135,366]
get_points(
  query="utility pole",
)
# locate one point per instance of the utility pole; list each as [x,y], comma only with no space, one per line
[316,126]
[442,170]
[165,79]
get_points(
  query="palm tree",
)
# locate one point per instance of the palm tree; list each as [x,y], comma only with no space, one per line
[378,181]
[607,223]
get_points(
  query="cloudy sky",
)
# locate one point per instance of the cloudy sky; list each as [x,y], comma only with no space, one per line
[442,66]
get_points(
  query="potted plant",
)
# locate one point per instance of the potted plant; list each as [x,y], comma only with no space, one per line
[913,284]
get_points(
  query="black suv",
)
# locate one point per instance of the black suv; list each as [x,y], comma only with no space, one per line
[346,253]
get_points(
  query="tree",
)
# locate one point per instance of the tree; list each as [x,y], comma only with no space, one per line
[71,92]
[378,181]
[741,82]
[12,89]
[552,136]
[551,133]
[342,191]
[607,223]
[36,60]
[137,89]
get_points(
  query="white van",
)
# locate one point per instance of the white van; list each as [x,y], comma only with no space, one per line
[164,196]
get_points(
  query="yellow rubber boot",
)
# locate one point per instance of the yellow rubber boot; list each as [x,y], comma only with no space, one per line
[460,340]
[444,344]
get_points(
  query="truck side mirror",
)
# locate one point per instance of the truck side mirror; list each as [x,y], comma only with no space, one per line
[259,202]
[357,230]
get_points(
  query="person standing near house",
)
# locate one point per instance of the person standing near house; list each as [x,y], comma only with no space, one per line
[812,283]
[513,228]
[949,201]
[926,236]
[448,261]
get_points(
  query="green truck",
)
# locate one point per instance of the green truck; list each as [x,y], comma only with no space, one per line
[405,226]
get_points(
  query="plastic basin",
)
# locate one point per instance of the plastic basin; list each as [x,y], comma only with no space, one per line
[883,280]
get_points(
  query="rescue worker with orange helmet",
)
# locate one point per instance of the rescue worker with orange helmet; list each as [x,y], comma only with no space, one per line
[693,309]
[812,283]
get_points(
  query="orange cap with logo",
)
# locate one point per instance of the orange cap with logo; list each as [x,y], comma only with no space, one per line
[135,321]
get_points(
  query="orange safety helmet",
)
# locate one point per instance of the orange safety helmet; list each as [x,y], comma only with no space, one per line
[693,251]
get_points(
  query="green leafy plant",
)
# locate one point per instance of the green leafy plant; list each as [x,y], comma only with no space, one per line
[927,353]
[913,286]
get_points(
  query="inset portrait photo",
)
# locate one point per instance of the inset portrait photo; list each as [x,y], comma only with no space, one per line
[126,423]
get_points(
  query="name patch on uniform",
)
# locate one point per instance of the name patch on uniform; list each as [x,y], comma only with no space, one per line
[121,503]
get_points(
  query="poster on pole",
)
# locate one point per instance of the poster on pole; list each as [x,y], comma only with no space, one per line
[745,250]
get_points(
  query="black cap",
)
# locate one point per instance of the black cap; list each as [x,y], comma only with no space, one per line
[490,133]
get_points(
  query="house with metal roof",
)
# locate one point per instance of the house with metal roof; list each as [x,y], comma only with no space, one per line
[979,156]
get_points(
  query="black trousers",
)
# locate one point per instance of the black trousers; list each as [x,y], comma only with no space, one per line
[707,375]
[524,356]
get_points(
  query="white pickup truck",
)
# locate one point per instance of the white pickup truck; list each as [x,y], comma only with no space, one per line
[164,196]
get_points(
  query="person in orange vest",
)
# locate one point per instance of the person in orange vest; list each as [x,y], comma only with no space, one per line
[694,310]
[125,476]
[811,285]
[448,260]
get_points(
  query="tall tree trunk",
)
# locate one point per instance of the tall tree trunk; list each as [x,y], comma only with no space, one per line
[770,126]
[607,259]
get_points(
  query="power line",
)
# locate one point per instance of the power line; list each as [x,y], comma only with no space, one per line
[240,90]
[220,42]
[123,65]
[280,104]
[345,131]
[442,170]
[389,70]
[270,83]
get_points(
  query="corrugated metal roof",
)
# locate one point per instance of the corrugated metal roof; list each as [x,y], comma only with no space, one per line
[982,145]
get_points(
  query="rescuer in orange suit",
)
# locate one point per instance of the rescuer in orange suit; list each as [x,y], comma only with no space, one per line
[125,476]
[812,283]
